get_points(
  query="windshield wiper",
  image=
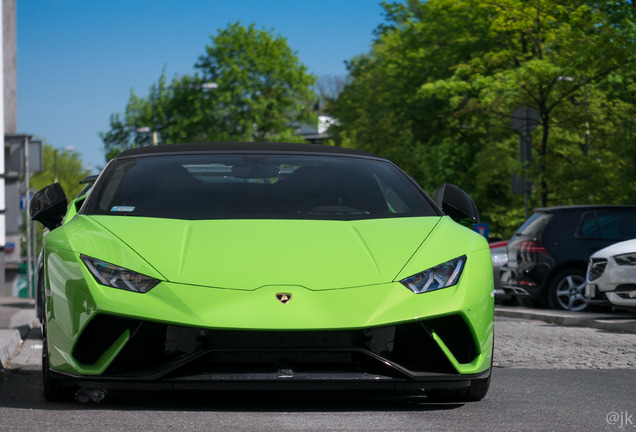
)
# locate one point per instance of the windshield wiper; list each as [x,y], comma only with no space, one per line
[336,210]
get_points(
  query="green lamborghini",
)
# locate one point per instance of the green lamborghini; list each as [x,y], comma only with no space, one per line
[263,266]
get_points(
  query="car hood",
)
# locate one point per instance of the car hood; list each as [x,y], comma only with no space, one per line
[624,247]
[249,254]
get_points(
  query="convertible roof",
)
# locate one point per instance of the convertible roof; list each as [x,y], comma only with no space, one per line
[243,147]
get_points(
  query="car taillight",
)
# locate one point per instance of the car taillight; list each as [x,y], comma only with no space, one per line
[498,244]
[532,247]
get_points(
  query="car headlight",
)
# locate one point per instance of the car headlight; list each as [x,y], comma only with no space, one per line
[626,259]
[118,277]
[442,276]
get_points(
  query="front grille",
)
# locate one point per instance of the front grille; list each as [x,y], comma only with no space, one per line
[164,351]
[596,268]
[626,288]
[100,333]
[626,291]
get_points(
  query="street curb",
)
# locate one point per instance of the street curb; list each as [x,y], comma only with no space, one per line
[611,323]
[9,343]
[17,318]
[24,320]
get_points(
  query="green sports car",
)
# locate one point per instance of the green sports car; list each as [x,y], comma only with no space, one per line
[263,266]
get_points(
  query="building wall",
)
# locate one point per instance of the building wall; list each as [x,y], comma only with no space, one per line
[8,273]
[10,67]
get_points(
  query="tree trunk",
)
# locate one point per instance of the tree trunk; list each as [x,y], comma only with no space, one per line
[543,188]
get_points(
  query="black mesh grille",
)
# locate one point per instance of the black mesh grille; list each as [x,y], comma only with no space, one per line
[456,336]
[596,268]
[100,333]
[173,351]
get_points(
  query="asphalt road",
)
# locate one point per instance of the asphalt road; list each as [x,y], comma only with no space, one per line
[523,396]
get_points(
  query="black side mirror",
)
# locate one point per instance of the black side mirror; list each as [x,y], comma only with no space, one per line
[48,206]
[457,204]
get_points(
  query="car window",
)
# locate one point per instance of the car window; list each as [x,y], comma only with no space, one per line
[588,228]
[533,224]
[392,196]
[608,225]
[256,186]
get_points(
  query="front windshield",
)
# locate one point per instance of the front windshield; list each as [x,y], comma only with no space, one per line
[256,187]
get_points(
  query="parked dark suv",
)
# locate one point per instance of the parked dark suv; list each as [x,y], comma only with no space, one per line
[548,256]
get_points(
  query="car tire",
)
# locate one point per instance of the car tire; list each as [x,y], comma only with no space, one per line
[566,290]
[39,292]
[52,389]
[475,392]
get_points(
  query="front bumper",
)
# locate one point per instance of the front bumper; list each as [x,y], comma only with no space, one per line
[621,295]
[594,296]
[624,296]
[160,356]
[251,382]
[609,283]
[185,336]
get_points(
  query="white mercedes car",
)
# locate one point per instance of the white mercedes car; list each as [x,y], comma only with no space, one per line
[612,271]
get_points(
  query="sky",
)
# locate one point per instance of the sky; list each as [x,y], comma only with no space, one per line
[78,60]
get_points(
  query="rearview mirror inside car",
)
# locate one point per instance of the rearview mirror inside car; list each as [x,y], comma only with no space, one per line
[457,204]
[48,206]
[255,171]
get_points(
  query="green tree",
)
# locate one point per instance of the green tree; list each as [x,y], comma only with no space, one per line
[438,88]
[64,167]
[267,87]
[263,92]
[548,57]
[383,110]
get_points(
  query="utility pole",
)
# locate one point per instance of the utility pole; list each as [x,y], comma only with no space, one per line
[27,184]
[524,119]
[3,206]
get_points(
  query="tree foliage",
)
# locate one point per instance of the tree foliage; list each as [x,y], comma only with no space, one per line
[268,87]
[262,93]
[437,90]
[64,167]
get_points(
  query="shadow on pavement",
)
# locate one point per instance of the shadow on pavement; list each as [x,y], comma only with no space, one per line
[22,389]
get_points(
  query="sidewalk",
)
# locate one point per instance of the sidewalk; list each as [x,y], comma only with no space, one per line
[612,322]
[17,317]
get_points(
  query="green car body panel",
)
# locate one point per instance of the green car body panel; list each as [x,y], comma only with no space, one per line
[211,278]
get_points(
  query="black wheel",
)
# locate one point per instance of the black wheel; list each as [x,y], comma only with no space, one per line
[39,291]
[479,388]
[566,290]
[52,388]
[475,392]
